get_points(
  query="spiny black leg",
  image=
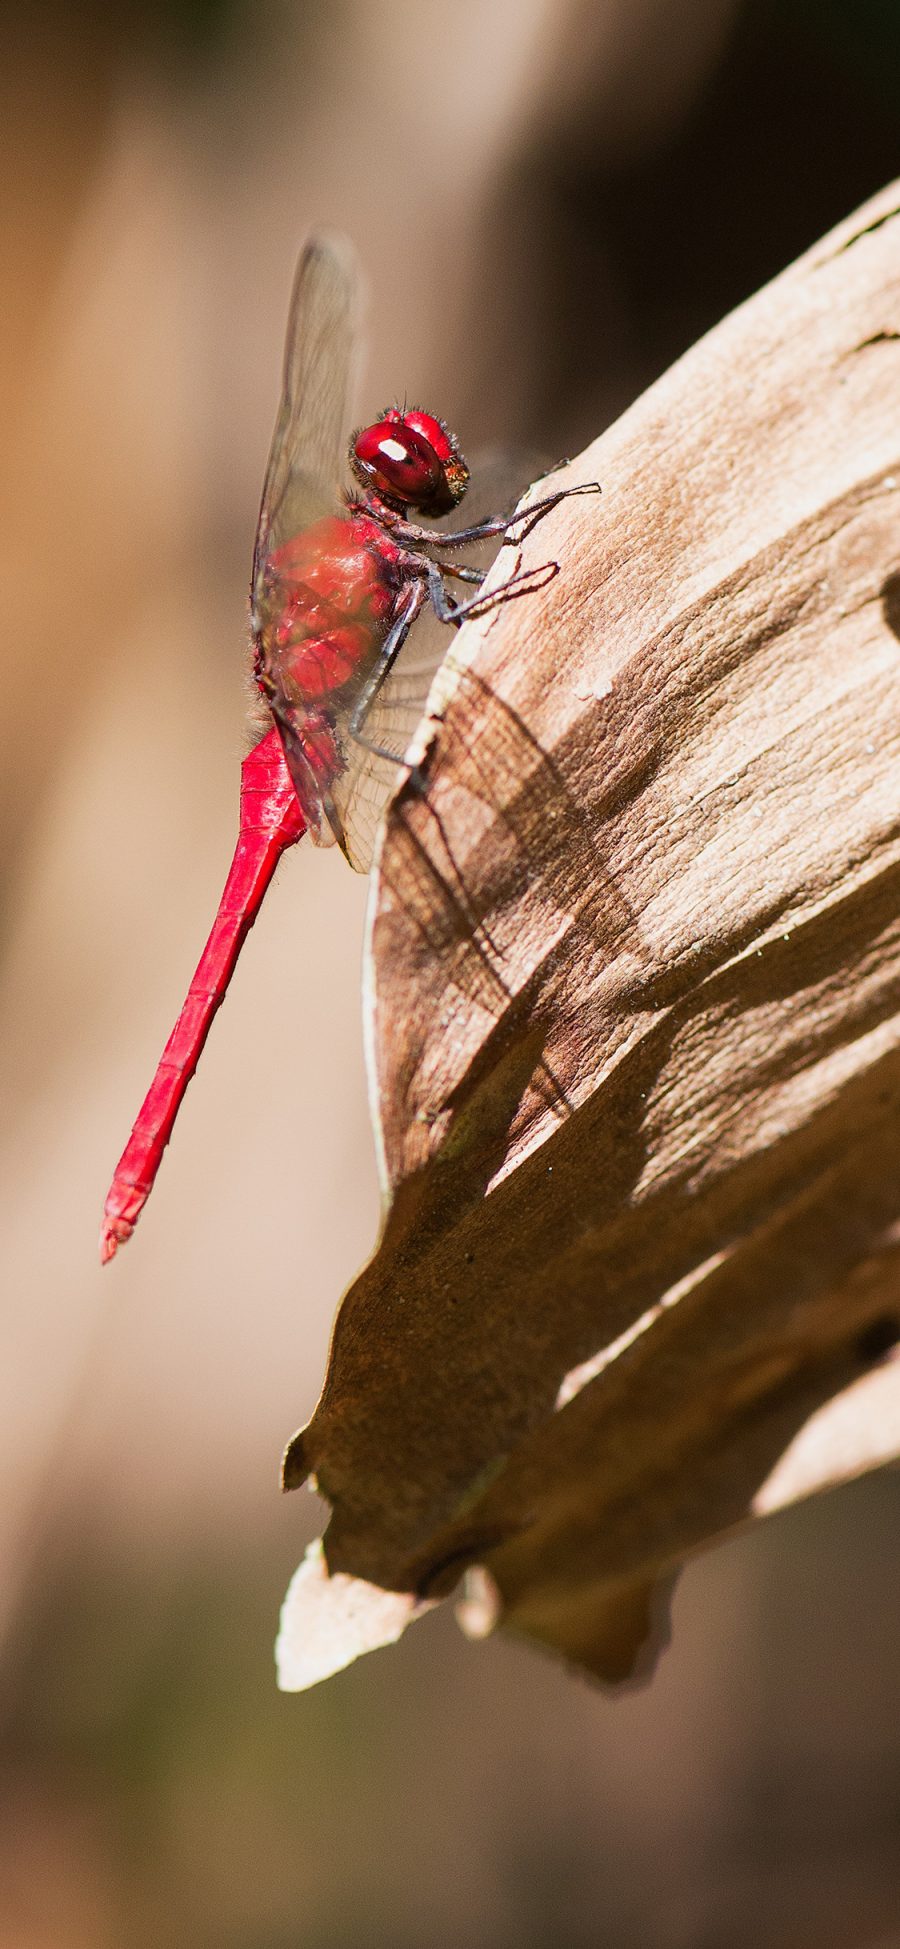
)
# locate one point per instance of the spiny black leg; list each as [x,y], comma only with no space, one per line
[461,574]
[449,611]
[537,509]
[412,536]
[390,650]
[499,523]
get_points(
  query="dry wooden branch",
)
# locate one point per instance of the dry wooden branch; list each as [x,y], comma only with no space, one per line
[633,1011]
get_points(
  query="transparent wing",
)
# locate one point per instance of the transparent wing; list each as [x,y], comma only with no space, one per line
[305,457]
[365,785]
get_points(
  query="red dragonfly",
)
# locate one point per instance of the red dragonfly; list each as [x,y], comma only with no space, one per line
[334,593]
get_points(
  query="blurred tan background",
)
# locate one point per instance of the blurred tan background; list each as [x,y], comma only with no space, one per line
[552,199]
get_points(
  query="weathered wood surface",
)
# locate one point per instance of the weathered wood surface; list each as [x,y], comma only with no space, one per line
[634,1006]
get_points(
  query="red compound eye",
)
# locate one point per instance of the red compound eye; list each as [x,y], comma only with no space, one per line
[432,430]
[411,460]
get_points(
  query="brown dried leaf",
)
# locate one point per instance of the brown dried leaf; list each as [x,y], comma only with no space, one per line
[633,1005]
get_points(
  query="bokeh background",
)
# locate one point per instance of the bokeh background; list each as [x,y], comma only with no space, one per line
[553,199]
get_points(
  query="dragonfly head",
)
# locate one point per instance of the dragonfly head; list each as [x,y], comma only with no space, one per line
[410,460]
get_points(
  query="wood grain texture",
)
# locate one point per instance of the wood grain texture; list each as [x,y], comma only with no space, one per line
[634,1001]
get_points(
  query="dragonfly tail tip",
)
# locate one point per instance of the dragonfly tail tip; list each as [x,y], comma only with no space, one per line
[113,1233]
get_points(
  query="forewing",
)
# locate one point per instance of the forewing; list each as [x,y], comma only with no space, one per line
[305,457]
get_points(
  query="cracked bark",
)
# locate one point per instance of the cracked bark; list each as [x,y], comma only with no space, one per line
[633,1003]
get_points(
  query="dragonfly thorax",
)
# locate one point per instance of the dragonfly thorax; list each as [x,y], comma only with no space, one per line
[330,595]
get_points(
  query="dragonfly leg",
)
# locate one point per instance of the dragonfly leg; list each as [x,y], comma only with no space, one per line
[537,509]
[461,574]
[390,650]
[497,524]
[447,610]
